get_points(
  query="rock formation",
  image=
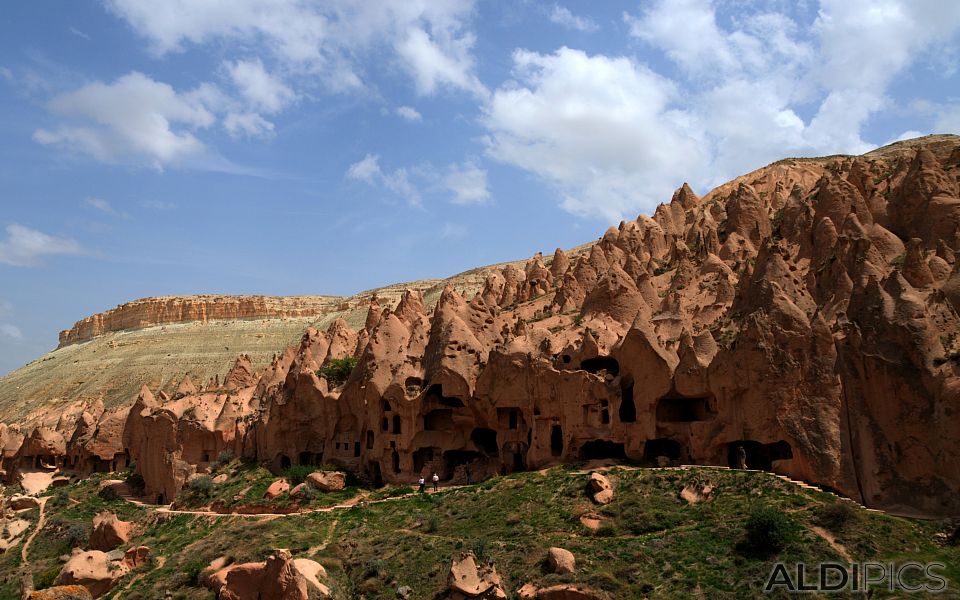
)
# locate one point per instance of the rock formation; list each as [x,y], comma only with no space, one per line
[806,312]
[109,532]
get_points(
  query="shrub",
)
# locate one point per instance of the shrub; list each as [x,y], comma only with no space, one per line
[338,370]
[201,485]
[108,493]
[76,534]
[375,568]
[46,577]
[224,457]
[835,516]
[60,499]
[433,523]
[479,548]
[192,572]
[297,474]
[768,529]
[135,481]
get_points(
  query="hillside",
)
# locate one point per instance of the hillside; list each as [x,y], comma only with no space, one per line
[802,319]
[648,542]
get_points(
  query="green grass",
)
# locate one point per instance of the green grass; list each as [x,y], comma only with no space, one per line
[652,543]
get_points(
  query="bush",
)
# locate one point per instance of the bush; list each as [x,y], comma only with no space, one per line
[768,529]
[479,548]
[135,481]
[46,577]
[225,457]
[60,499]
[338,370]
[192,572]
[835,516]
[297,474]
[108,493]
[76,534]
[201,485]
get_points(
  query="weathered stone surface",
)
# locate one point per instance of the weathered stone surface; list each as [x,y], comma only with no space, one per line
[280,577]
[600,488]
[561,561]
[62,592]
[278,487]
[93,570]
[109,532]
[327,481]
[469,580]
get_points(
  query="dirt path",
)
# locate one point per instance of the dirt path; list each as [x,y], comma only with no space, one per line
[35,481]
[837,546]
[26,573]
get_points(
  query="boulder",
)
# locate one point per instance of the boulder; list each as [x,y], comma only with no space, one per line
[468,580]
[109,532]
[566,591]
[136,556]
[62,592]
[93,570]
[277,488]
[280,577]
[327,481]
[561,561]
[23,502]
[600,488]
[221,478]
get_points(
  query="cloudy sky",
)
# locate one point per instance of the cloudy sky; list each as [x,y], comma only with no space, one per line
[330,146]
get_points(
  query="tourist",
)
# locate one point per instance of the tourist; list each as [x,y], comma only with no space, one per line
[423,484]
[436,481]
[741,458]
[469,478]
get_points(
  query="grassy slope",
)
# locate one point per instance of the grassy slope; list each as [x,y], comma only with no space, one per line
[651,544]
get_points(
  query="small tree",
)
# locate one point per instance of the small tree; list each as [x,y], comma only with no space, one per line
[338,370]
[202,485]
[768,530]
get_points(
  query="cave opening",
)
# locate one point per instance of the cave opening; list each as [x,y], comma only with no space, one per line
[369,440]
[435,394]
[396,423]
[395,459]
[284,461]
[655,448]
[600,449]
[307,458]
[556,440]
[628,408]
[760,456]
[485,440]
[439,419]
[682,409]
[455,458]
[601,363]
[375,475]
[421,457]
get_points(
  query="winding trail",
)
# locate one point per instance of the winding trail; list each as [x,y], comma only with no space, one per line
[26,573]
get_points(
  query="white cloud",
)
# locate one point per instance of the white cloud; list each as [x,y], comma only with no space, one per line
[25,247]
[264,91]
[11,331]
[247,124]
[602,130]
[6,73]
[409,113]
[396,181]
[79,33]
[563,17]
[132,116]
[433,66]
[6,309]
[327,39]
[468,184]
[366,169]
[100,204]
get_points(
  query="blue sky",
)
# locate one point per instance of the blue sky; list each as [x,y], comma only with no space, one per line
[301,147]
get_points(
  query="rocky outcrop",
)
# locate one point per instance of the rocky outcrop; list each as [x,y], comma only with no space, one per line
[109,532]
[150,312]
[469,580]
[94,570]
[280,577]
[62,592]
[804,314]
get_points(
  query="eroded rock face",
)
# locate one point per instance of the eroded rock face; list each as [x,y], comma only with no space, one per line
[109,532]
[280,577]
[600,488]
[469,580]
[62,592]
[806,312]
[561,561]
[93,570]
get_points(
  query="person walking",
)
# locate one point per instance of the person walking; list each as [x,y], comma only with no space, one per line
[469,478]
[423,484]
[436,482]
[741,458]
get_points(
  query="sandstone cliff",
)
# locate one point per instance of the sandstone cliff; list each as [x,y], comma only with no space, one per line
[806,312]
